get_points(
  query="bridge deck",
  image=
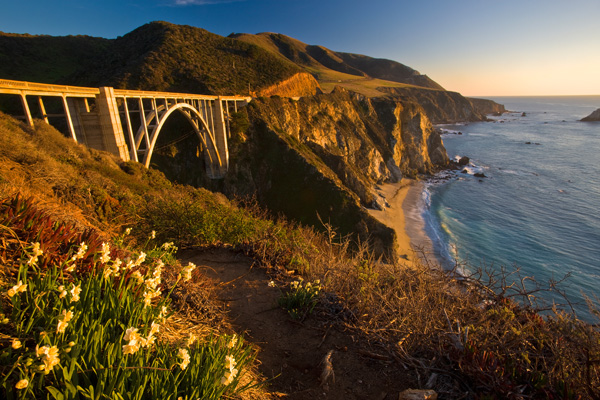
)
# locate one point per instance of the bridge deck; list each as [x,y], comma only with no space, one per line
[8,86]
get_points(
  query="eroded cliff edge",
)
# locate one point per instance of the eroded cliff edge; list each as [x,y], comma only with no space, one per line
[318,159]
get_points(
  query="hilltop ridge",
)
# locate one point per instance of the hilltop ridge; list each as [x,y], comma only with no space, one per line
[167,57]
[323,62]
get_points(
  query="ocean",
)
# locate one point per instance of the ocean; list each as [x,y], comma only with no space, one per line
[538,206]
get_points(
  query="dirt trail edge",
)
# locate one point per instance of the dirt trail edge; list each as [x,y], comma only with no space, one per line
[291,353]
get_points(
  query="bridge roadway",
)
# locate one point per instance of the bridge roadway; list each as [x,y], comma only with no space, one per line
[127,122]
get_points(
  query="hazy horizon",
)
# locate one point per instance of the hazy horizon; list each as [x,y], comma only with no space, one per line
[477,48]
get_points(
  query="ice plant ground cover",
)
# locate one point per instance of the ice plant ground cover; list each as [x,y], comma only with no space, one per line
[89,327]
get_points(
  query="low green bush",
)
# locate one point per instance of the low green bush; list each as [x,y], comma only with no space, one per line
[301,299]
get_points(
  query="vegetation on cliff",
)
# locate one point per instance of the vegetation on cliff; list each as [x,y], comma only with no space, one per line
[456,334]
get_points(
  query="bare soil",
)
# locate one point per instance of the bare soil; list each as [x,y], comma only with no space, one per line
[290,352]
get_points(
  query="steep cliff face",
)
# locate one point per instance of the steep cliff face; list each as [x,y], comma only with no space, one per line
[319,158]
[300,84]
[362,141]
[485,106]
[446,107]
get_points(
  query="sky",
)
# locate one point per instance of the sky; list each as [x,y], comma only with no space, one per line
[475,47]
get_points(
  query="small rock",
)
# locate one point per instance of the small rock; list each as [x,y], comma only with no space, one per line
[479,175]
[418,394]
[463,160]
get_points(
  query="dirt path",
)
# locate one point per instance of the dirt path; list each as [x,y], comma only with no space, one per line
[291,352]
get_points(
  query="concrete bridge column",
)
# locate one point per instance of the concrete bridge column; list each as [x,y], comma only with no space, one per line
[220,135]
[28,117]
[110,123]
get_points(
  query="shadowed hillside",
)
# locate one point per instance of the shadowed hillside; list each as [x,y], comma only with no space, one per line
[47,59]
[156,56]
[167,57]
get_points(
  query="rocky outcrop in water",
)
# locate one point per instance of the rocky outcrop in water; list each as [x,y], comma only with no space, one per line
[595,116]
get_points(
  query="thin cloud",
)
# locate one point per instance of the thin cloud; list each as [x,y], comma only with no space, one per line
[203,2]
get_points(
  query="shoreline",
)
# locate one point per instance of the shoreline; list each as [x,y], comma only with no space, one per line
[403,215]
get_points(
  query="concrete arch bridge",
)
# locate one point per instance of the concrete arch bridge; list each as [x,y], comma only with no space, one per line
[127,123]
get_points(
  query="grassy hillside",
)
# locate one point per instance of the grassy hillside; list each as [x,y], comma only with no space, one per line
[163,56]
[460,335]
[155,56]
[167,57]
[363,73]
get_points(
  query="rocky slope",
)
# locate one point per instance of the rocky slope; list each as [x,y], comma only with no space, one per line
[485,106]
[359,73]
[318,159]
[446,107]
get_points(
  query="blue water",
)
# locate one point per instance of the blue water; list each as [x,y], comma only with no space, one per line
[538,208]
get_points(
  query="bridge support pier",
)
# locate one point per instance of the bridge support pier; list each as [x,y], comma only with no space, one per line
[110,123]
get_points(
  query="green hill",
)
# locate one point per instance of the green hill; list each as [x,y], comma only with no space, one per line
[47,59]
[156,56]
[164,56]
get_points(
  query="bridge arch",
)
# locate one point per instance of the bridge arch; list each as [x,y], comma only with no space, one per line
[212,157]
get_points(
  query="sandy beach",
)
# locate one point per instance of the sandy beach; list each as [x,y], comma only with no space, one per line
[404,216]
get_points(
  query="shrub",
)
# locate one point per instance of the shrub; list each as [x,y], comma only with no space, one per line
[301,299]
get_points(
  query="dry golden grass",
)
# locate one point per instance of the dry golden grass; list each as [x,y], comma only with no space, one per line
[329,79]
[466,331]
[459,333]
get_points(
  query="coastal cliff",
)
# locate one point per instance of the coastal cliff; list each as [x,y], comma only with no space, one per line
[343,124]
[318,159]
[485,106]
[444,107]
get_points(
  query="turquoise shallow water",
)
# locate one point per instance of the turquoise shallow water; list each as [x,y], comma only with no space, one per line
[538,207]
